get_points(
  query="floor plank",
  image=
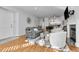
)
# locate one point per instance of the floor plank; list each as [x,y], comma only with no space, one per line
[32,48]
[73,48]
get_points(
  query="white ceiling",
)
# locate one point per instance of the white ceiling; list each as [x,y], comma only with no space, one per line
[43,11]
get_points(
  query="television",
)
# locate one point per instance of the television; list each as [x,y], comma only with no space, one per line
[66,13]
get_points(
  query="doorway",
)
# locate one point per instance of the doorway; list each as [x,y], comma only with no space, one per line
[73,34]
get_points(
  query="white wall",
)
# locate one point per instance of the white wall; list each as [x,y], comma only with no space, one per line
[23,22]
[20,21]
[6,20]
[71,21]
[75,20]
[77,27]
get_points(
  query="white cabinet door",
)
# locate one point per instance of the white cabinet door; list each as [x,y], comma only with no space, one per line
[5,23]
[58,39]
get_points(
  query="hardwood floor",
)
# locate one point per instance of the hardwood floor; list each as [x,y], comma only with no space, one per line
[16,46]
[73,48]
[11,47]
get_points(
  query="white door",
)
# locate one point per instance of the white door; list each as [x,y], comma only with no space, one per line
[6,29]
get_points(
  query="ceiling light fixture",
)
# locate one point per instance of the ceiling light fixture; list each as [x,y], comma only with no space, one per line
[36,8]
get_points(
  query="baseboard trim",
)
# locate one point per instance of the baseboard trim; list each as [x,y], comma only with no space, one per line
[7,39]
[20,35]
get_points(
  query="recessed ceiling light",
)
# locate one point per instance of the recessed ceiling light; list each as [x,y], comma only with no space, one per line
[36,8]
